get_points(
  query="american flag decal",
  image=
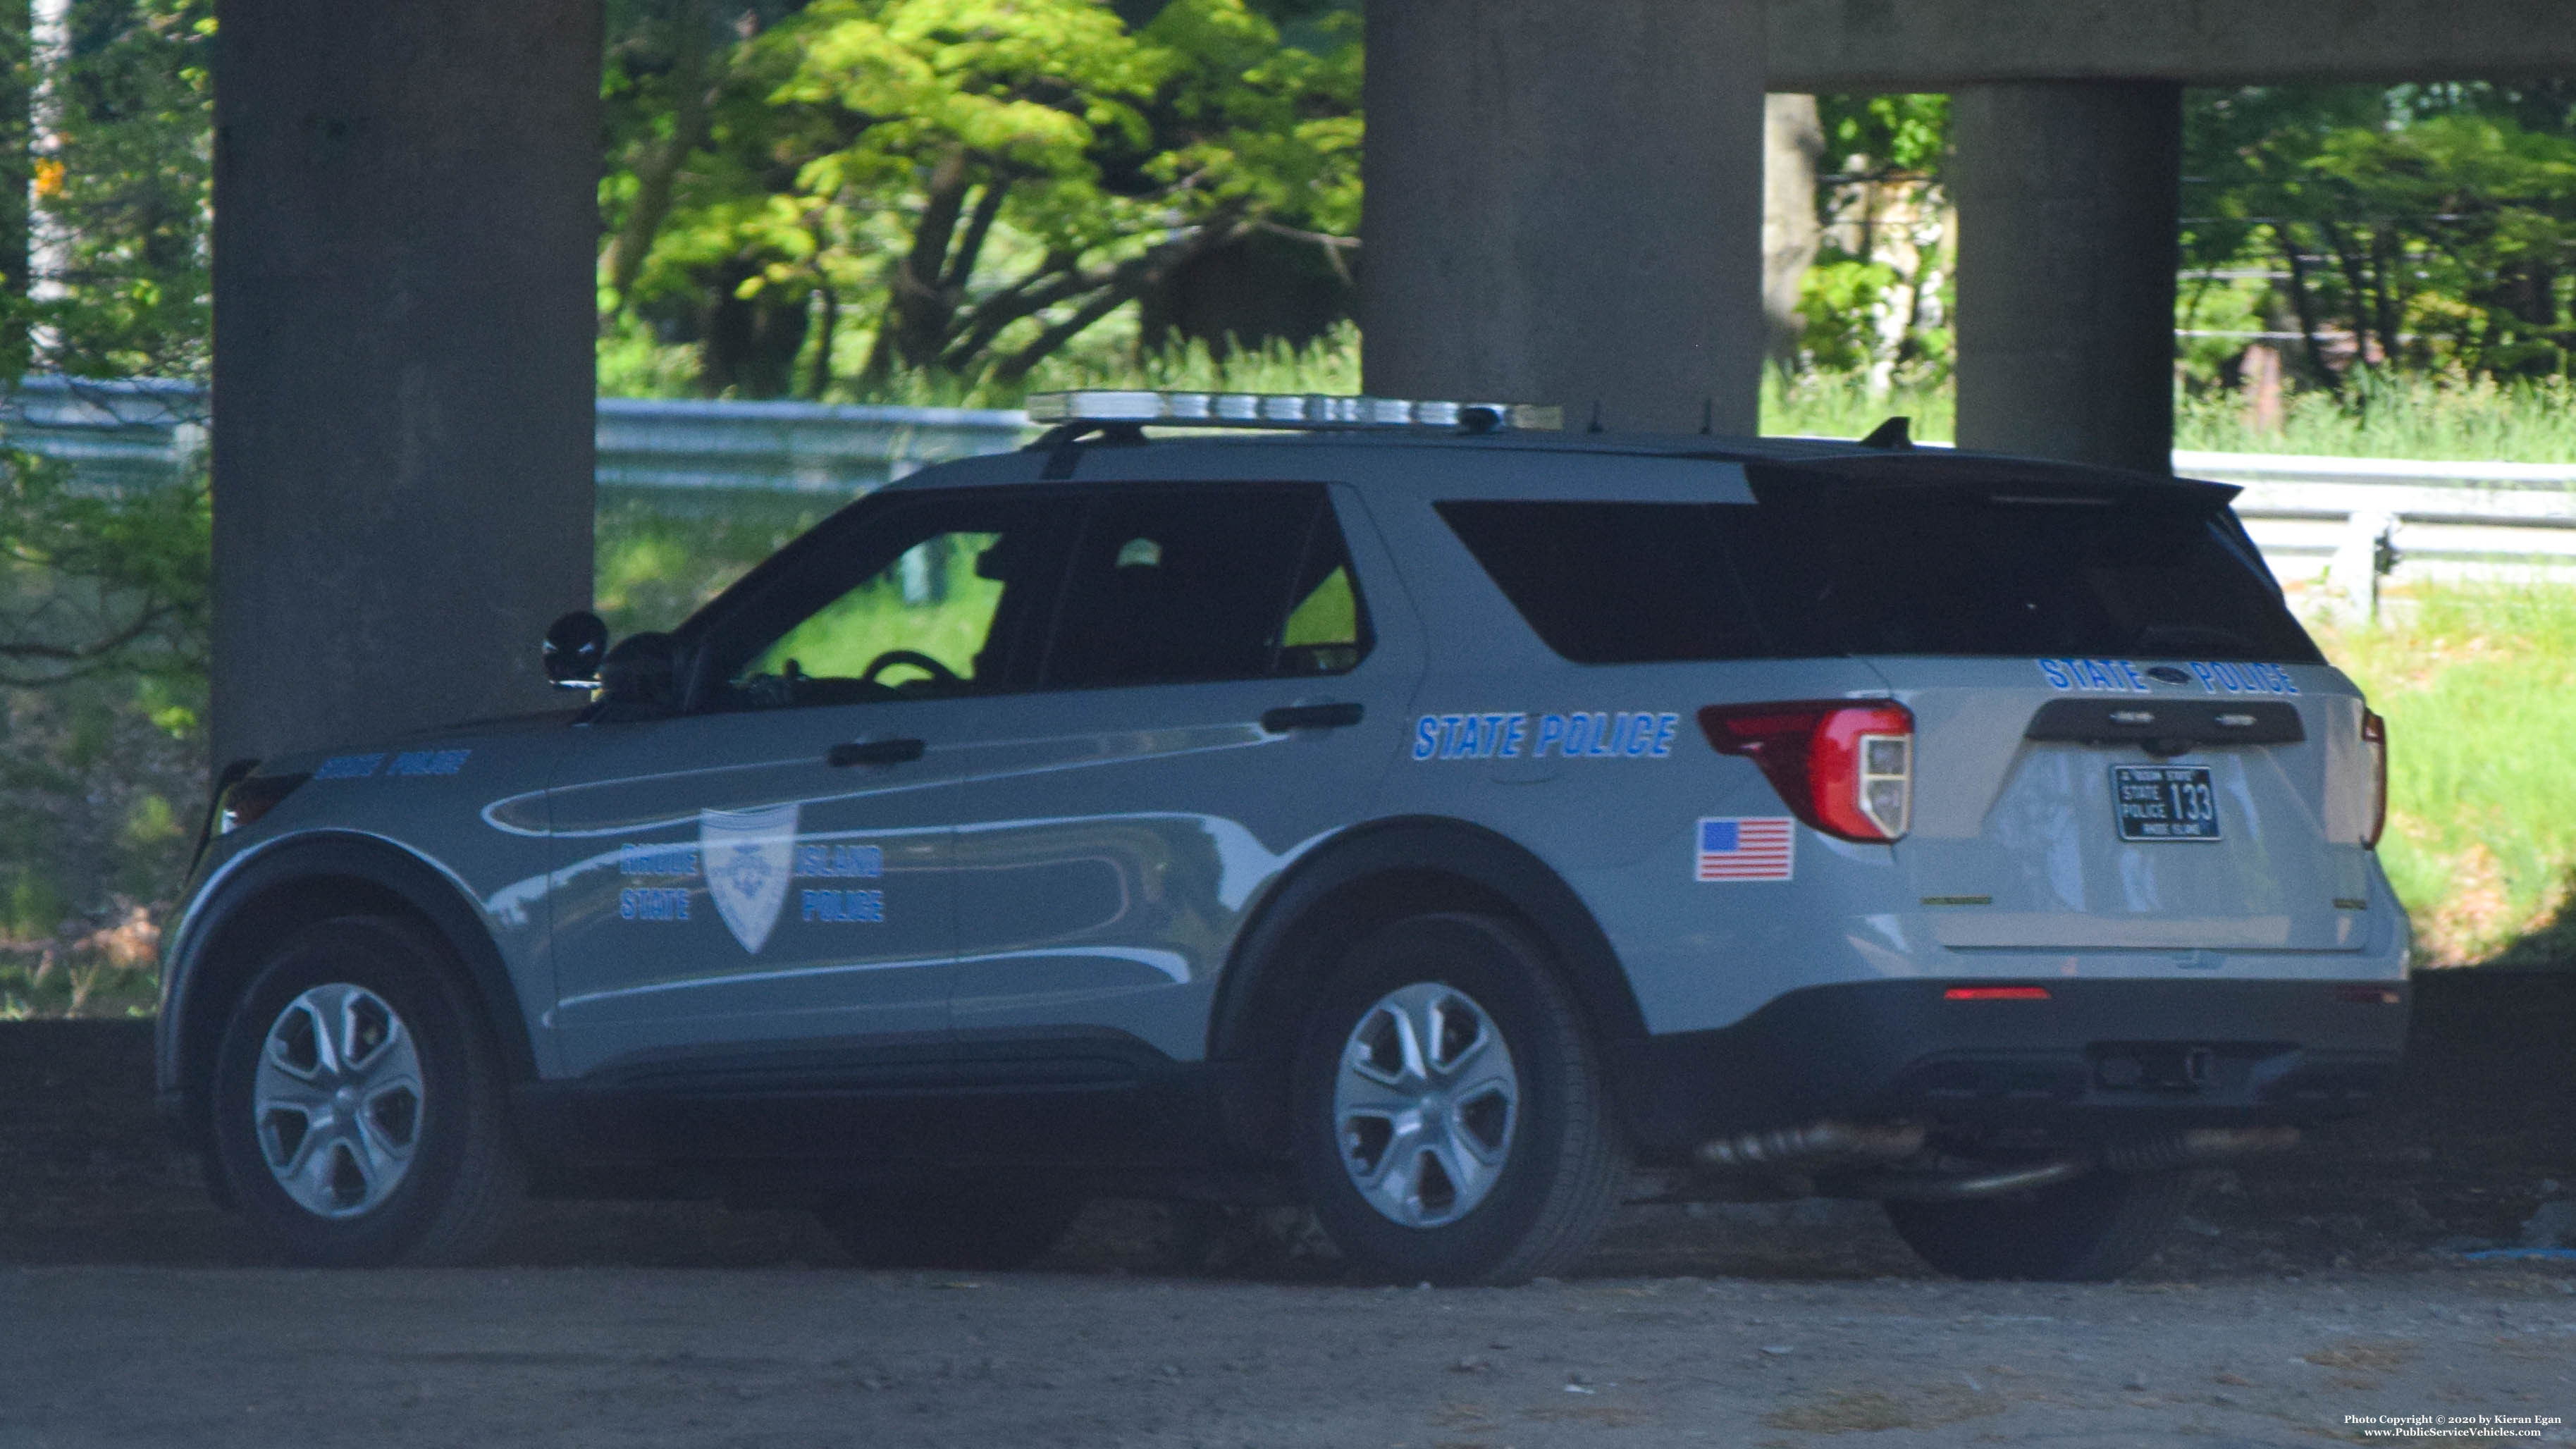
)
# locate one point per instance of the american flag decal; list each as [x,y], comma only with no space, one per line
[1761,847]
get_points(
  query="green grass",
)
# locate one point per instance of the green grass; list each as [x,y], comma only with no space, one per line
[2479,689]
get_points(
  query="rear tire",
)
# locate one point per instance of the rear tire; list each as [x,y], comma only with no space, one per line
[1450,1121]
[2090,1229]
[979,1222]
[360,1112]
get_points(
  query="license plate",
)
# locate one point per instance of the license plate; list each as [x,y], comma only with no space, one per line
[2164,802]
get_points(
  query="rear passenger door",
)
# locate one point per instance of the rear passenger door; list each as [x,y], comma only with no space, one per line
[1226,680]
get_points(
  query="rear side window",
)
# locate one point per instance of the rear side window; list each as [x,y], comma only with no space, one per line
[1826,568]
[1188,584]
[1621,583]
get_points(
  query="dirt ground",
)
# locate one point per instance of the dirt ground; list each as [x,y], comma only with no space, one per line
[2306,1294]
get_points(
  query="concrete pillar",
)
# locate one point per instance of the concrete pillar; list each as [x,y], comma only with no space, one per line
[406,220]
[1565,205]
[2069,196]
[1793,143]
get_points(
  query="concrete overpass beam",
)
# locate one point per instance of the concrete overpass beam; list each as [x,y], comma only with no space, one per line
[405,216]
[2068,197]
[1565,205]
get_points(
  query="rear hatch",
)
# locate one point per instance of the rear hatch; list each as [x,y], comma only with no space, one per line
[2123,739]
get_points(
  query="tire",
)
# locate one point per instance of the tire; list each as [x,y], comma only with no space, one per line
[386,1141]
[1513,1163]
[2091,1229]
[979,1222]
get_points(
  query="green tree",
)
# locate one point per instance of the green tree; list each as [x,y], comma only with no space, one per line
[2414,227]
[974,183]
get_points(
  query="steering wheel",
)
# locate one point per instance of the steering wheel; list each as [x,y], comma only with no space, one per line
[914,657]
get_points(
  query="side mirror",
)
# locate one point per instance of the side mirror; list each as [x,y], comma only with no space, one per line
[642,673]
[575,645]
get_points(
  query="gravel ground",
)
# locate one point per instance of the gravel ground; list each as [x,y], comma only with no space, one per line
[2307,1292]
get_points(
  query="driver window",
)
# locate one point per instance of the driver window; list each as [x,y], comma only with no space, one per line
[935,616]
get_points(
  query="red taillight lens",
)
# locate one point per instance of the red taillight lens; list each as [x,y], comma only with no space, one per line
[2374,738]
[1845,769]
[1995,993]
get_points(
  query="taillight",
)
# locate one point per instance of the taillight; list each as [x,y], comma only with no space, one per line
[2374,737]
[1845,769]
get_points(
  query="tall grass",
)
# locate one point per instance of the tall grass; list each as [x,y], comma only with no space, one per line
[2478,684]
[2397,416]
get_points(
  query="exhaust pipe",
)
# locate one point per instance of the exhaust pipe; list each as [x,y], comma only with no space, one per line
[1802,1146]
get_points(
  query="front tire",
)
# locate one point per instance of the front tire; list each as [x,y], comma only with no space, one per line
[1450,1119]
[2090,1229]
[360,1113]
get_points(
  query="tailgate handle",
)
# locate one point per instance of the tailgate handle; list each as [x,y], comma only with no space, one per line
[2167,727]
[875,752]
[1311,717]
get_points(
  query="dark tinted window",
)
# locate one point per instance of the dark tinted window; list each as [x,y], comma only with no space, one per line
[1824,566]
[1621,583]
[1228,581]
[924,596]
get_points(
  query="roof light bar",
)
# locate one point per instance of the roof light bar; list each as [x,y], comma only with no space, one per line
[1284,410]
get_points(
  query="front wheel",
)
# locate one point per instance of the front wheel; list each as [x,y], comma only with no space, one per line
[359,1107]
[2091,1229]
[1450,1121]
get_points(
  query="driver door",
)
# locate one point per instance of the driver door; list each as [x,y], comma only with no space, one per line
[763,882]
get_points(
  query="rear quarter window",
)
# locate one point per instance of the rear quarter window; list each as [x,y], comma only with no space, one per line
[1820,565]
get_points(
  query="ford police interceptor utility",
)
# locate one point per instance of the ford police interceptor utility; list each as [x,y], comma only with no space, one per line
[1411,811]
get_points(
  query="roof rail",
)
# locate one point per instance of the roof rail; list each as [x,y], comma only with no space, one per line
[1287,411]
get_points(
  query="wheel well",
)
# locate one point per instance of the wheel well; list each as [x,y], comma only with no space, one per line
[1294,966]
[252,927]
[1372,879]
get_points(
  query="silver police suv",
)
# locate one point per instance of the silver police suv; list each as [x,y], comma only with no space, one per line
[1408,810]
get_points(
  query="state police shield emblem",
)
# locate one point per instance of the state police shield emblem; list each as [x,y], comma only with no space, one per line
[748,854]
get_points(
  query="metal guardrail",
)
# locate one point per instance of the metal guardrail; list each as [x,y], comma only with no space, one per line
[2441,519]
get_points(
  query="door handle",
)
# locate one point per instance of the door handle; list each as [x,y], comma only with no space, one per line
[875,752]
[1310,717]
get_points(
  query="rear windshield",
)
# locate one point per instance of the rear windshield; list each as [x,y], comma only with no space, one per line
[1820,568]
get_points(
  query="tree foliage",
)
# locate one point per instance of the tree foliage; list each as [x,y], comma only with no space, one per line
[2417,227]
[959,187]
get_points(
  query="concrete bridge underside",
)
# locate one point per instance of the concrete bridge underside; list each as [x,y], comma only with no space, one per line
[1565,204]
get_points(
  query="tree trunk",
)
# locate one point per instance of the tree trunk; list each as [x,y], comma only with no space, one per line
[655,174]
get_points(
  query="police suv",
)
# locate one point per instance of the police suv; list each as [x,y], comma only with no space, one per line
[1406,809]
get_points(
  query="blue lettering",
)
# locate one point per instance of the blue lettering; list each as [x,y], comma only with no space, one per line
[2057,676]
[1578,735]
[1551,731]
[1641,735]
[653,903]
[1426,736]
[1463,745]
[2208,677]
[1515,731]
[1493,742]
[2129,672]
[844,907]
[1449,732]
[1602,746]
[1665,724]
[2097,676]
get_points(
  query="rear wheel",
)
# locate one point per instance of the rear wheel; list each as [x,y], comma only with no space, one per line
[983,1222]
[1450,1120]
[2091,1229]
[359,1107]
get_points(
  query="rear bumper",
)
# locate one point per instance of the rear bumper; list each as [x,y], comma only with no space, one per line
[2095,1059]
